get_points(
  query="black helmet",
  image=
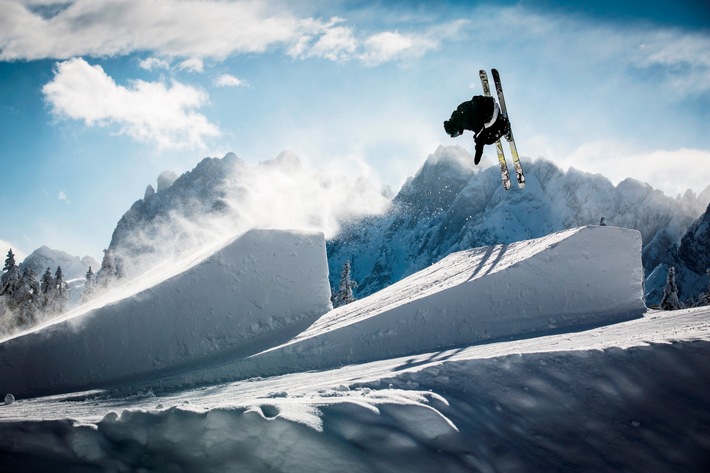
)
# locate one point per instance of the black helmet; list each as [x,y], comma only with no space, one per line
[451,129]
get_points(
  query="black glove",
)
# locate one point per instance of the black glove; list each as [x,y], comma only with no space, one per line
[479,152]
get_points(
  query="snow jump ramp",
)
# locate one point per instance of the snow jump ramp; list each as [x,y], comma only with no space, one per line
[260,289]
[573,279]
[260,306]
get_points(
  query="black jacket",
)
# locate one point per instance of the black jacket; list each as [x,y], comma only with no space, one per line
[474,115]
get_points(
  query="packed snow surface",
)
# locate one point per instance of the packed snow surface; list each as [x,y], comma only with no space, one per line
[262,287]
[573,278]
[399,381]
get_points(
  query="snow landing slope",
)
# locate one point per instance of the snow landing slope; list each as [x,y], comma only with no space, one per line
[571,279]
[235,302]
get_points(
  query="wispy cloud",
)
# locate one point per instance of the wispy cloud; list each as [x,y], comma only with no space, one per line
[228,80]
[332,41]
[62,196]
[152,63]
[684,58]
[154,112]
[193,64]
[676,59]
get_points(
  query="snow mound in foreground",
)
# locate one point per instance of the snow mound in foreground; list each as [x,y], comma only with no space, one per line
[571,279]
[259,290]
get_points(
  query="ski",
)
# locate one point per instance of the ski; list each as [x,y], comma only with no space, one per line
[519,175]
[504,173]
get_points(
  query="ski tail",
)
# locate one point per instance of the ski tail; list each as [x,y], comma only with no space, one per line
[504,173]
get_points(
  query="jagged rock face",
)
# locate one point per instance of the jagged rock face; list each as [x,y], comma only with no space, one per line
[195,194]
[450,206]
[694,250]
[691,259]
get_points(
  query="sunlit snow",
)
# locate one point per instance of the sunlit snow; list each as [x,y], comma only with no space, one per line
[534,356]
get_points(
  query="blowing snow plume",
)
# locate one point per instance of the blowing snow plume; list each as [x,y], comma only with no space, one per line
[221,198]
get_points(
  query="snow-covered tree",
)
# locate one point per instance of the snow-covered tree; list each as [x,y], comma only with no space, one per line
[89,286]
[110,270]
[10,279]
[26,299]
[670,293]
[61,292]
[344,295]
[47,288]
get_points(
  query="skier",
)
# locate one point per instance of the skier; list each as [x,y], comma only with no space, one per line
[482,116]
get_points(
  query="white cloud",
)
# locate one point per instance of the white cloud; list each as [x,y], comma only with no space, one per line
[228,80]
[684,56]
[154,112]
[331,41]
[383,47]
[672,171]
[197,29]
[152,63]
[194,64]
[187,28]
[63,197]
[393,45]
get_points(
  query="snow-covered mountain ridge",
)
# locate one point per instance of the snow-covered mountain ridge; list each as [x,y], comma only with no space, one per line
[449,205]
[73,267]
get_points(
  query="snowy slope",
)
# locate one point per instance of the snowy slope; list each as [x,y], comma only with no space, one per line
[261,287]
[574,278]
[265,288]
[630,396]
[568,280]
[627,397]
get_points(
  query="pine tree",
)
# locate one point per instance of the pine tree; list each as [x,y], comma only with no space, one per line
[670,293]
[10,280]
[89,286]
[9,261]
[47,288]
[109,271]
[61,292]
[26,299]
[344,295]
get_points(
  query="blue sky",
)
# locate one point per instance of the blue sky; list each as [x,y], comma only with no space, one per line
[97,98]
